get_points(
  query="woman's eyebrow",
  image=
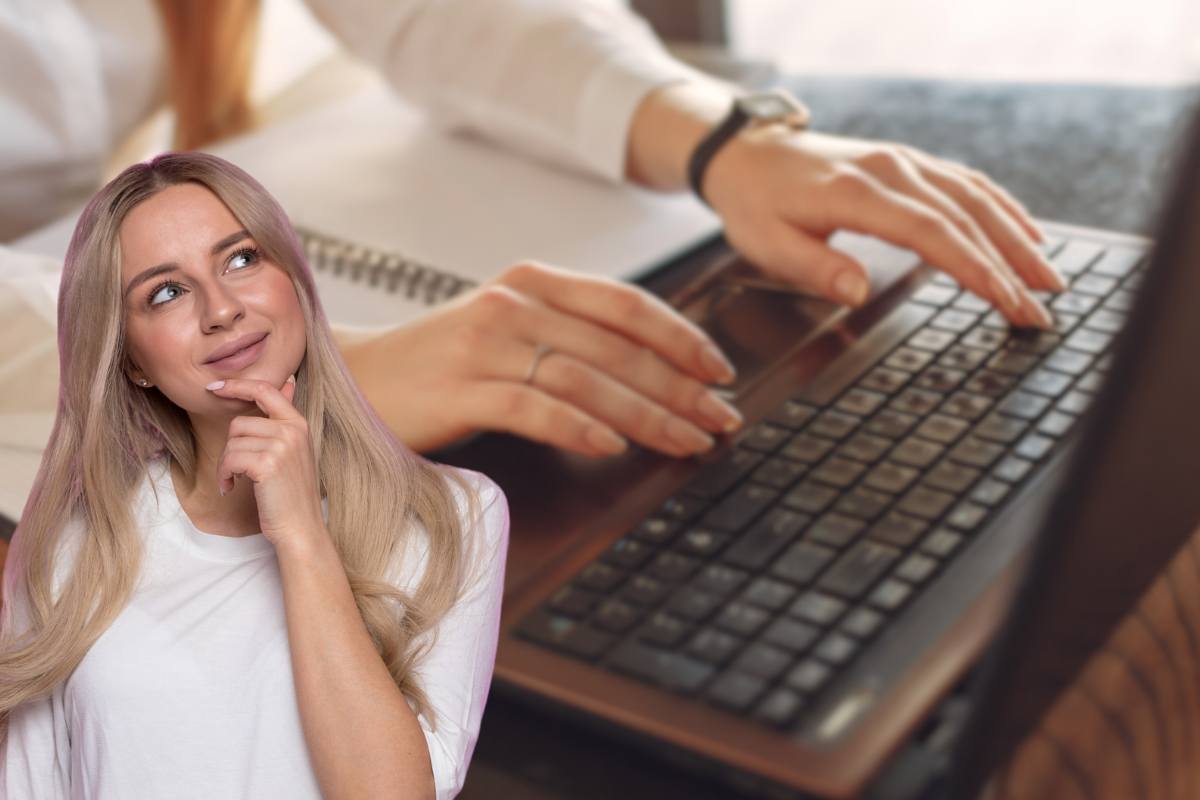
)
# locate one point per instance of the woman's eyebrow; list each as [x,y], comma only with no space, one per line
[171,266]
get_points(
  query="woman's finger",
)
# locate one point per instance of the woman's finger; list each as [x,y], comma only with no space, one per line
[618,406]
[263,394]
[238,458]
[627,310]
[1000,225]
[904,177]
[1002,196]
[627,362]
[523,410]
[860,202]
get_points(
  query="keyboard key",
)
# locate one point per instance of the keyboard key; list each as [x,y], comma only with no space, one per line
[837,471]
[1034,447]
[779,707]
[916,452]
[1090,382]
[966,516]
[1046,382]
[964,358]
[925,503]
[673,671]
[1074,402]
[908,359]
[755,548]
[865,447]
[617,616]
[1105,320]
[769,594]
[898,529]
[966,406]
[976,452]
[742,619]
[809,676]
[862,402]
[883,379]
[627,552]
[790,634]
[644,590]
[971,302]
[999,428]
[1098,285]
[714,646]
[858,569]
[833,424]
[941,543]
[941,428]
[740,506]
[953,320]
[809,497]
[890,595]
[989,492]
[862,622]
[573,601]
[763,661]
[802,561]
[1088,341]
[951,477]
[863,503]
[1056,424]
[719,476]
[1120,300]
[1032,341]
[806,448]
[1117,262]
[1012,469]
[720,579]
[1076,256]
[990,384]
[891,477]
[1023,405]
[939,379]
[836,648]
[1074,303]
[564,633]
[672,567]
[656,530]
[683,507]
[915,401]
[779,472]
[818,608]
[664,629]
[935,341]
[891,424]
[735,691]
[764,437]
[835,530]
[1012,362]
[982,338]
[701,542]
[1070,362]
[600,576]
[792,414]
[934,295]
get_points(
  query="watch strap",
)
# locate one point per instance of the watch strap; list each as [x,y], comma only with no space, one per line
[711,143]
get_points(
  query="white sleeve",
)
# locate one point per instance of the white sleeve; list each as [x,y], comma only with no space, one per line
[36,758]
[556,79]
[457,672]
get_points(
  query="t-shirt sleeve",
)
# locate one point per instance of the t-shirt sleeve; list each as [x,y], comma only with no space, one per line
[457,671]
[35,759]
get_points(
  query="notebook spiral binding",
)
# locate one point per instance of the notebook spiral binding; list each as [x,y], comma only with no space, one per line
[389,271]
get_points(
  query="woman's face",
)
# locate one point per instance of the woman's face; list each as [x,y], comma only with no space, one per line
[214,288]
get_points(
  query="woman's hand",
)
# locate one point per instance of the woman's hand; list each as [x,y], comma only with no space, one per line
[781,193]
[621,363]
[276,453]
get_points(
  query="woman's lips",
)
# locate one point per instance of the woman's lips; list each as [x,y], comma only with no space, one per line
[242,358]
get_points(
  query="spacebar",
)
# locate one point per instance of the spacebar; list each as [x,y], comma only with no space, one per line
[849,366]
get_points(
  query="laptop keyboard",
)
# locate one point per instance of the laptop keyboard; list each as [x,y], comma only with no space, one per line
[776,565]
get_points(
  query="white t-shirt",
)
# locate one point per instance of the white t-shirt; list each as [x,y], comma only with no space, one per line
[556,79]
[189,694]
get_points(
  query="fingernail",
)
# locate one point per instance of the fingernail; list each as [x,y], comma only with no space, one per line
[719,412]
[215,385]
[1056,278]
[221,489]
[849,287]
[605,440]
[291,379]
[717,365]
[1043,314]
[687,435]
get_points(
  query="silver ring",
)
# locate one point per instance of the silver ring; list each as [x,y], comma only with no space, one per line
[541,350]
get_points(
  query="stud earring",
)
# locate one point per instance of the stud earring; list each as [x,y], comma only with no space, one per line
[143,382]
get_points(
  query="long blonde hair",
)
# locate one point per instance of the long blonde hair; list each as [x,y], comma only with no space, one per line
[106,431]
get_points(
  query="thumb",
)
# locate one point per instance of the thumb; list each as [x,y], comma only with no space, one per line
[810,263]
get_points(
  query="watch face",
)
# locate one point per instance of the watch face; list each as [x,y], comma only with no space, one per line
[767,106]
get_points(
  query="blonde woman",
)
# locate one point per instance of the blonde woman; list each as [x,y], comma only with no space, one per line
[230,579]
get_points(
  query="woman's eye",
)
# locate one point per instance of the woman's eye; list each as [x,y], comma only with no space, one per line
[251,255]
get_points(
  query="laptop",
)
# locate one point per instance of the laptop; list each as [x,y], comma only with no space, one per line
[804,610]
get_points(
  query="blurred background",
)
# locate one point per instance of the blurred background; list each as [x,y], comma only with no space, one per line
[1151,42]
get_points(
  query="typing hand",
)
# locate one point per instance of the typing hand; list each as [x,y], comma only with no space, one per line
[620,363]
[782,193]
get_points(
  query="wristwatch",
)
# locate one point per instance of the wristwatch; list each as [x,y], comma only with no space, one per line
[757,108]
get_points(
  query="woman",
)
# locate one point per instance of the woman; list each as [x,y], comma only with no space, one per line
[231,580]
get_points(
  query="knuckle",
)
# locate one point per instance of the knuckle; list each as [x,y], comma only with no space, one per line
[494,303]
[884,160]
[629,302]
[523,272]
[850,183]
[930,225]
[513,401]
